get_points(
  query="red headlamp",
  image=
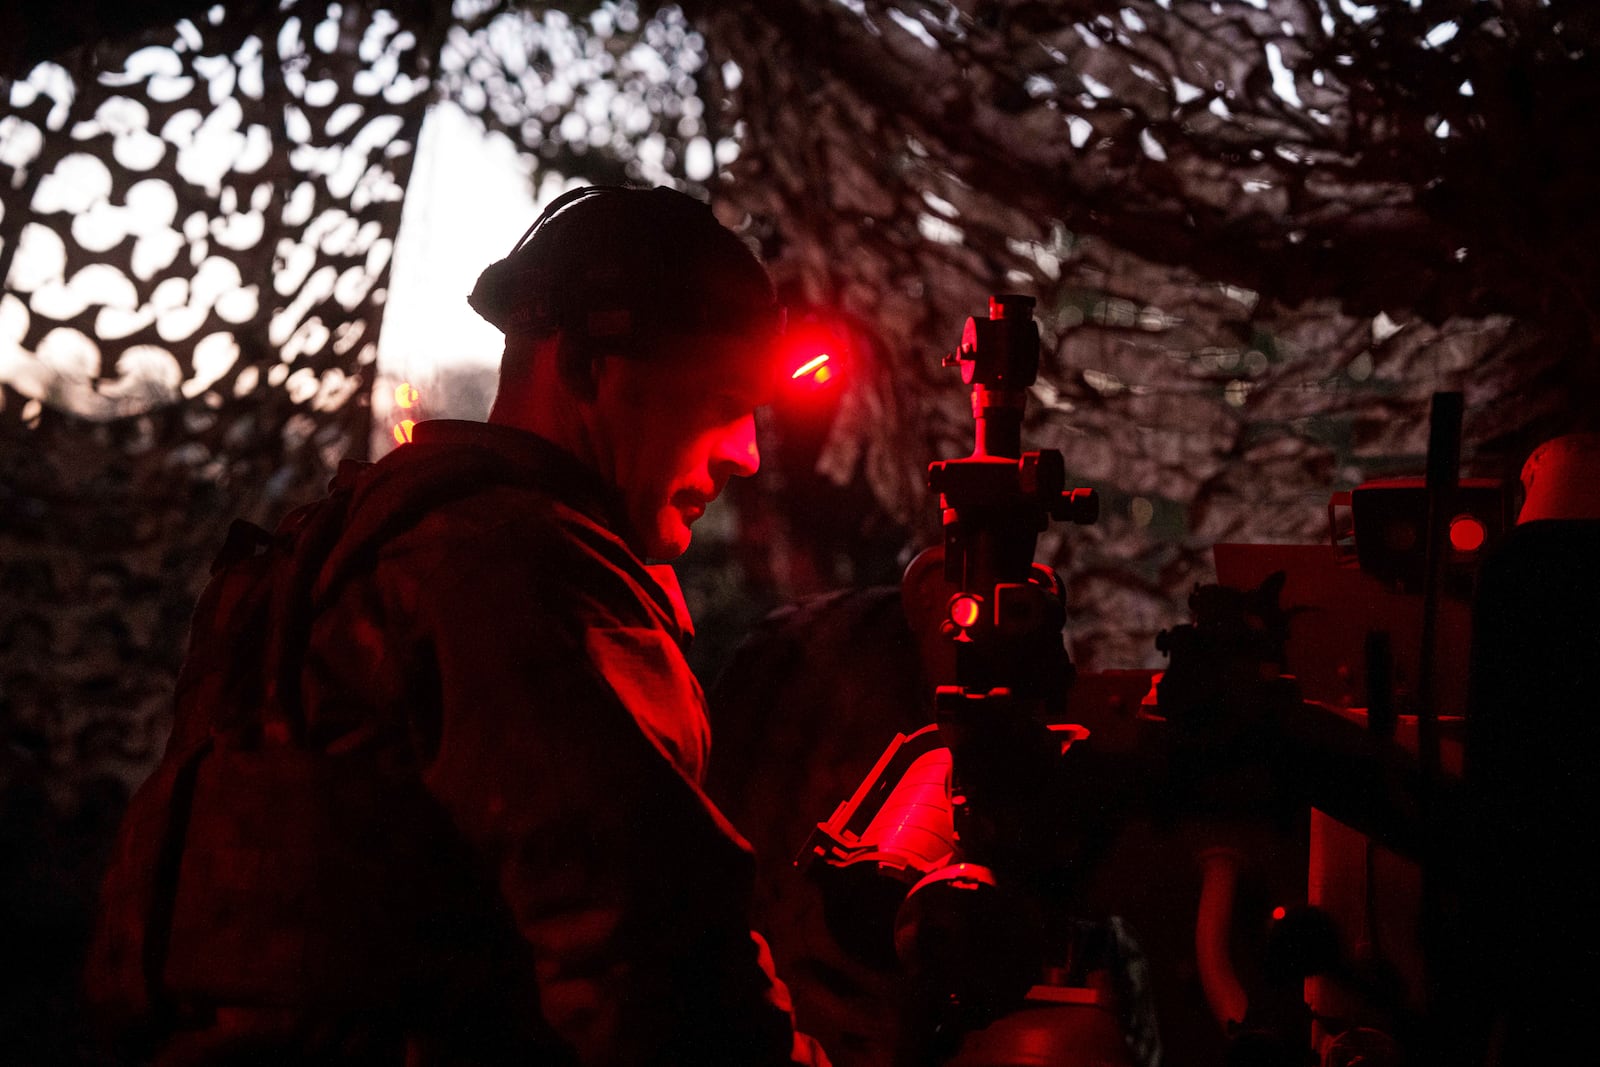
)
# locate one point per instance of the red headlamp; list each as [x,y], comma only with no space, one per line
[812,358]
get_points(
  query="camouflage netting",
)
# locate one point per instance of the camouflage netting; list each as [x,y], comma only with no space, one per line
[195,240]
[1261,233]
[1262,236]
[197,232]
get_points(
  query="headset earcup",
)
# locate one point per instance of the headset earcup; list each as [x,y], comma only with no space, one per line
[490,297]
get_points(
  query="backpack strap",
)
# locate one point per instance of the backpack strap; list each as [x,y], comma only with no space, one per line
[307,545]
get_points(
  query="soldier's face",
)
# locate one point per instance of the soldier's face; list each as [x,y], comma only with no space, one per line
[682,425]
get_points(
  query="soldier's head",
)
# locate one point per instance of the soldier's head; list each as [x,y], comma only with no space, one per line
[640,335]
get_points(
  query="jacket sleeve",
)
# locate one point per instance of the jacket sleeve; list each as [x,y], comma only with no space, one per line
[627,884]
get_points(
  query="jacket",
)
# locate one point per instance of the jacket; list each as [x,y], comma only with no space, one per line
[477,833]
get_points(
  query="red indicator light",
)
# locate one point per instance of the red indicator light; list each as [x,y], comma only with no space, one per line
[815,364]
[405,395]
[1279,912]
[965,610]
[1466,533]
[402,432]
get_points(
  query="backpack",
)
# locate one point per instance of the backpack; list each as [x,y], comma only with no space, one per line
[252,870]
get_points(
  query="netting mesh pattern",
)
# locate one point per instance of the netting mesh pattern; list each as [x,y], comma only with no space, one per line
[1261,236]
[197,230]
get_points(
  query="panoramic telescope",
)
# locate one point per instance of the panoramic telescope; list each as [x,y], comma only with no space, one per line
[955,840]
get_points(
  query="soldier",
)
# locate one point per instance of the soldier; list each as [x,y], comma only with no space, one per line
[434,790]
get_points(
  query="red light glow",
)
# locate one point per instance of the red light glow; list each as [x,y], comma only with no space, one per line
[1466,533]
[965,611]
[816,364]
[1279,912]
[812,364]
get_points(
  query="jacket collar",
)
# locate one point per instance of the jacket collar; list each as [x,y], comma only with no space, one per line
[566,477]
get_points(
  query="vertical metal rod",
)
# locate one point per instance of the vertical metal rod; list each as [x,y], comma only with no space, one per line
[1378,653]
[1444,463]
